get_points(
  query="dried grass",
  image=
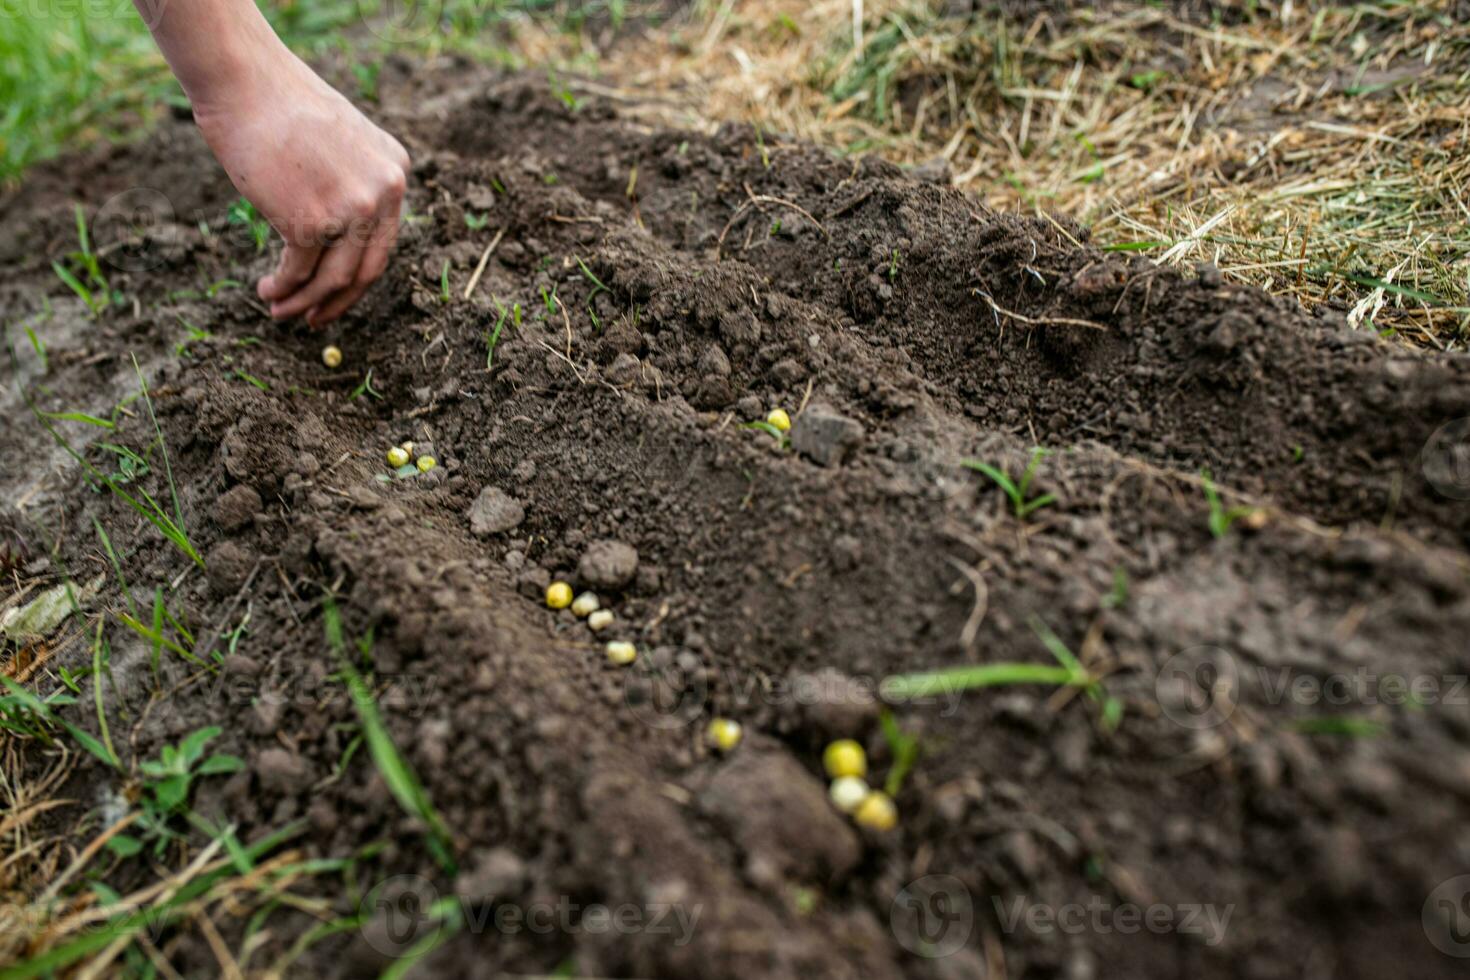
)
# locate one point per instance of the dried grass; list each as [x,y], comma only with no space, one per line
[1319,151]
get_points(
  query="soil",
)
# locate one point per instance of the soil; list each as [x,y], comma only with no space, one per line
[672,286]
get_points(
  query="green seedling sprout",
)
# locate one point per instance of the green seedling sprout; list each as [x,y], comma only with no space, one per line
[96,293]
[170,526]
[366,388]
[493,337]
[782,439]
[598,286]
[242,212]
[1019,491]
[444,282]
[1070,673]
[905,749]
[474,222]
[1220,517]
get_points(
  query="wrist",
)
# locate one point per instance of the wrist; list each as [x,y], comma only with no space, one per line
[224,54]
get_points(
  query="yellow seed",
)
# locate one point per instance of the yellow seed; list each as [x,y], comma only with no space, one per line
[426,463]
[600,620]
[876,812]
[779,419]
[406,447]
[845,757]
[585,605]
[848,793]
[558,595]
[724,733]
[621,652]
[397,457]
[331,356]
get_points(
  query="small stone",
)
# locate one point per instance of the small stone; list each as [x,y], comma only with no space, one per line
[283,772]
[824,436]
[608,565]
[494,512]
[236,507]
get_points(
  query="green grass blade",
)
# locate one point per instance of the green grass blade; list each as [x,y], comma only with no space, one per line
[399,776]
[930,683]
[163,446]
[116,566]
[80,417]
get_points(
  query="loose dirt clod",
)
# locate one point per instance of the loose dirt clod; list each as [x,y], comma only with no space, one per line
[236,507]
[495,512]
[608,565]
[825,436]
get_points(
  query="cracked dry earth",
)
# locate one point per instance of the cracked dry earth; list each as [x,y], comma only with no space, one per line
[674,285]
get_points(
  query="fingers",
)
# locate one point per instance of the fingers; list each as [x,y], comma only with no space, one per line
[297,264]
[335,272]
[323,282]
[374,260]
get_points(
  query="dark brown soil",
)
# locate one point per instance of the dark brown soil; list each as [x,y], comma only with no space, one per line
[740,275]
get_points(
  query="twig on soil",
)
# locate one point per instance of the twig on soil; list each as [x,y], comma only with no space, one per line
[755,200]
[87,854]
[570,363]
[1049,321]
[484,260]
[981,606]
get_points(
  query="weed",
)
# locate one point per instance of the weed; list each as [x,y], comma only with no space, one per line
[252,379]
[95,291]
[170,526]
[1220,517]
[39,347]
[23,713]
[562,92]
[1019,491]
[1069,674]
[366,75]
[242,213]
[444,283]
[474,222]
[169,778]
[397,774]
[893,266]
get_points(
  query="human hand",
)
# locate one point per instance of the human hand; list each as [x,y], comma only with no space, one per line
[327,179]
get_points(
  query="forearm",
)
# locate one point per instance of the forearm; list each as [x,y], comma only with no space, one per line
[215,47]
